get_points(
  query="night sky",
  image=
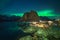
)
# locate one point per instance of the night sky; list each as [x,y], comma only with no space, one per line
[18,7]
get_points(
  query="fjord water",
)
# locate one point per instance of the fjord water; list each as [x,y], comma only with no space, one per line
[8,30]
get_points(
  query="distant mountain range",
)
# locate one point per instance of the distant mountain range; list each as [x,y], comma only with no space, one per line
[4,18]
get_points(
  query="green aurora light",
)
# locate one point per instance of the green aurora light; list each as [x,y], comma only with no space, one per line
[40,13]
[46,13]
[19,14]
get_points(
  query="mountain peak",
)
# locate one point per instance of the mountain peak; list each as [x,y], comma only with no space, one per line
[30,16]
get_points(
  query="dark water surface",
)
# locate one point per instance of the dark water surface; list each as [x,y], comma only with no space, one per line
[9,30]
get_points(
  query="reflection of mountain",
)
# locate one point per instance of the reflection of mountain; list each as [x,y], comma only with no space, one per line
[30,16]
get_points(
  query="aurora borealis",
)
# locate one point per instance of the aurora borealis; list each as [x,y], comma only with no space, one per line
[19,7]
[46,13]
[40,13]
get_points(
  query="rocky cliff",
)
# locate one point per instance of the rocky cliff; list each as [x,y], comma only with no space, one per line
[30,16]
